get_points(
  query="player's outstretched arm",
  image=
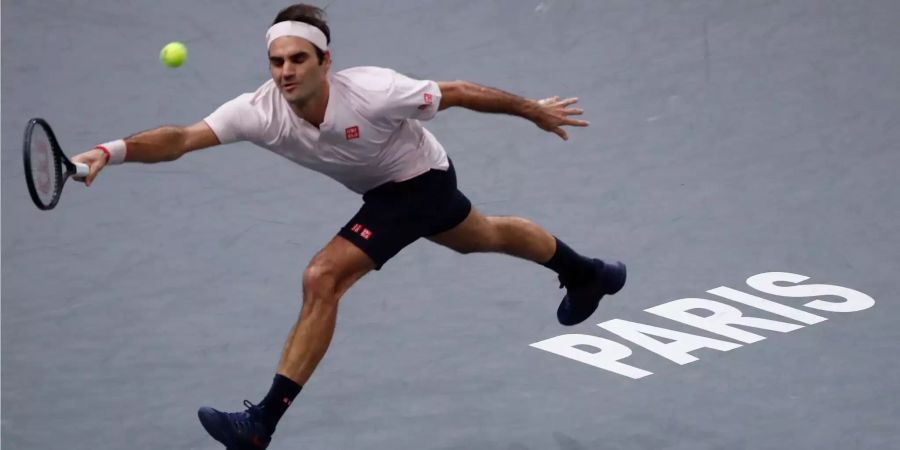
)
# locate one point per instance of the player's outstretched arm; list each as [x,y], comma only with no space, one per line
[165,143]
[550,114]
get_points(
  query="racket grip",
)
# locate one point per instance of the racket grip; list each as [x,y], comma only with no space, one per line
[81,171]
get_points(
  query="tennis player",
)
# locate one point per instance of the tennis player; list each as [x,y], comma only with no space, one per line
[362,127]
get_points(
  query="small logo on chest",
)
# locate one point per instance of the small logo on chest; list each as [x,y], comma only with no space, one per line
[352,132]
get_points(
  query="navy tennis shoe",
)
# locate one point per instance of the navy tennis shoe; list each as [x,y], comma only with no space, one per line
[583,296]
[237,431]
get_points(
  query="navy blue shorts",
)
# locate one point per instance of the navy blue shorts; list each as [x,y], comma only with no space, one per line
[394,215]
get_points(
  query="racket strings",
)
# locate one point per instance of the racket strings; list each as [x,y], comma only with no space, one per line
[46,166]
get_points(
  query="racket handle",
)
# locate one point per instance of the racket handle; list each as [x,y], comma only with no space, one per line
[81,171]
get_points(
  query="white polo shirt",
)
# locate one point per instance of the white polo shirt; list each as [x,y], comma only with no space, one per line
[371,134]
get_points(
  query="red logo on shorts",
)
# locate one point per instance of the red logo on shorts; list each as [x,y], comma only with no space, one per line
[362,231]
[428,101]
[352,132]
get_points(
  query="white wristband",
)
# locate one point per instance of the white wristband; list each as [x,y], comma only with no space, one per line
[115,150]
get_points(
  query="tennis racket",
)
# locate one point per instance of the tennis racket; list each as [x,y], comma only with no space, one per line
[46,166]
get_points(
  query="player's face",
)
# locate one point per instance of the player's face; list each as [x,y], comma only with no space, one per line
[296,69]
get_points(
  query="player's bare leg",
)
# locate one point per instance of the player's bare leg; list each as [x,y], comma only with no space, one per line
[327,277]
[499,234]
[586,280]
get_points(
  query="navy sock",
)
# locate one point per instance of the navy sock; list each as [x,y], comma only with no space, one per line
[571,266]
[280,396]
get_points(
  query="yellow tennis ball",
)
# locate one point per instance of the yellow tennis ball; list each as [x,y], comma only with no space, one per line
[173,54]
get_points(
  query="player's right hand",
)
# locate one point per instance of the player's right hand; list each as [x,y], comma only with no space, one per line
[96,160]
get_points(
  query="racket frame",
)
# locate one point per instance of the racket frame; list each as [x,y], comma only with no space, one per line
[62,167]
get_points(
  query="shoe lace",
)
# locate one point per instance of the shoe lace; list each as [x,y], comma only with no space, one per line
[244,421]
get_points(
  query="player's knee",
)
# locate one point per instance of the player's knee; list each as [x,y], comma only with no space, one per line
[320,282]
[494,236]
[486,240]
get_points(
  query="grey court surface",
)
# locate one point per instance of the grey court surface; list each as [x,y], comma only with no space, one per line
[728,139]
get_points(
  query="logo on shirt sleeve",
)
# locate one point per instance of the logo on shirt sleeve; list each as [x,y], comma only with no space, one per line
[352,132]
[427,101]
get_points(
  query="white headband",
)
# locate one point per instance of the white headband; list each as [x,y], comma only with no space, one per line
[298,29]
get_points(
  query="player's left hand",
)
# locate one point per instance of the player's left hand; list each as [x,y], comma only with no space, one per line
[552,114]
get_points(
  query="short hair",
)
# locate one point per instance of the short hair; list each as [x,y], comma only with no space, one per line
[310,14]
